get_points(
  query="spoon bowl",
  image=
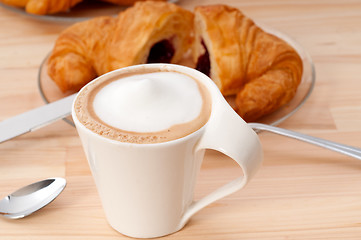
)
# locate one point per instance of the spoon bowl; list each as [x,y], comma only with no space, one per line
[31,198]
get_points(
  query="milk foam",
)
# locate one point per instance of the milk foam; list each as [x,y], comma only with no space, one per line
[148,102]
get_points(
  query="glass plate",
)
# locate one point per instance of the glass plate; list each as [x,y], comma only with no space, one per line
[50,92]
[82,11]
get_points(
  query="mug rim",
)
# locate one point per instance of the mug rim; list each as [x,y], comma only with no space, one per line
[204,79]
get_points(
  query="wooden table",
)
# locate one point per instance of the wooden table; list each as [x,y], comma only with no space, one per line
[300,192]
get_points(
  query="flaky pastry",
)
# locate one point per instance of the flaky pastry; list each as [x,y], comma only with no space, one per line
[43,7]
[148,32]
[79,53]
[261,69]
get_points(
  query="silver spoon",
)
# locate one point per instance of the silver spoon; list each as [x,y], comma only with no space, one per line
[337,147]
[31,198]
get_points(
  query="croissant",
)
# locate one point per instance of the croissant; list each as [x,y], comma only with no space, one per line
[43,7]
[262,70]
[148,32]
[78,54]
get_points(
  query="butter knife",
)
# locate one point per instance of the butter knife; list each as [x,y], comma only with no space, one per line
[36,118]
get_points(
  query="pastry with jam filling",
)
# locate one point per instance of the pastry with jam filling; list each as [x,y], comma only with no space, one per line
[148,32]
[259,69]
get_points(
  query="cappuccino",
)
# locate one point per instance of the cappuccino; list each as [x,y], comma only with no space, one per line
[151,106]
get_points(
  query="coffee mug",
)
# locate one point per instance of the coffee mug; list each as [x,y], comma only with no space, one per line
[144,131]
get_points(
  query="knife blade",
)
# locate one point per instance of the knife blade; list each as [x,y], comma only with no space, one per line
[36,118]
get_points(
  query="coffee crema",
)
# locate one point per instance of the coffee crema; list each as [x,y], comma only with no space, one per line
[150,106]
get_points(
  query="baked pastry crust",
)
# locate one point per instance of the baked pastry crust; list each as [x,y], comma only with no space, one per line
[139,28]
[217,31]
[92,48]
[78,55]
[43,7]
[261,69]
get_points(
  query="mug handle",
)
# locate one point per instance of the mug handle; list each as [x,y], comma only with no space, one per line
[229,134]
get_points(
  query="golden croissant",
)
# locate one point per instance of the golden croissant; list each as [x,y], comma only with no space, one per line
[262,70]
[148,32]
[43,7]
[259,69]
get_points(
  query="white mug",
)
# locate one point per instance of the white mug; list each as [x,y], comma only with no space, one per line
[147,189]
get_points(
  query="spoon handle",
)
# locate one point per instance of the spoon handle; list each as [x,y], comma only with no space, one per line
[337,147]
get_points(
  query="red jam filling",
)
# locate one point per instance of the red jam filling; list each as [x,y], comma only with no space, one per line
[203,63]
[161,52]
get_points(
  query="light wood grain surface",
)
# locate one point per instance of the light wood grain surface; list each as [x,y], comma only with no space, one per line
[301,191]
